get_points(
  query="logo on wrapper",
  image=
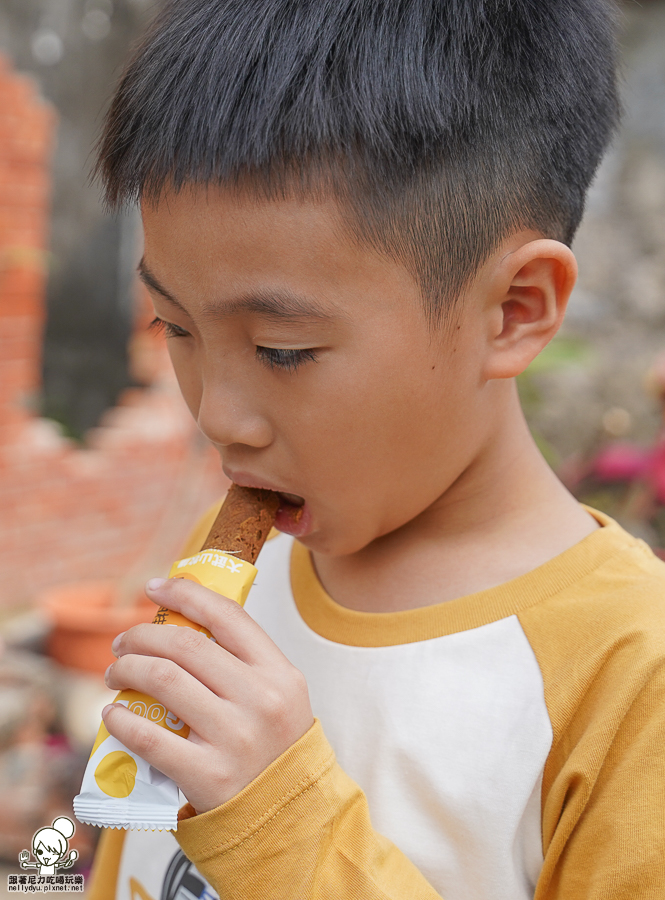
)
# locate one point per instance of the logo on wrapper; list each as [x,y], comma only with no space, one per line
[50,856]
[214,558]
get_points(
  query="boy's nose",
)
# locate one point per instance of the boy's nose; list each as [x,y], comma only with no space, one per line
[226,417]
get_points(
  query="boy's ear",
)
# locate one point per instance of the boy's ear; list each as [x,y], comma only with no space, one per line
[531,288]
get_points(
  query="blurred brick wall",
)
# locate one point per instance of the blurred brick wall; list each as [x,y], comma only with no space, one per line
[26,132]
[120,506]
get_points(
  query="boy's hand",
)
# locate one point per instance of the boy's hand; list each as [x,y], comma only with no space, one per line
[243,700]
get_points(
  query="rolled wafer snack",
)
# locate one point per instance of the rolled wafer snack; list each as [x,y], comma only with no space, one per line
[119,789]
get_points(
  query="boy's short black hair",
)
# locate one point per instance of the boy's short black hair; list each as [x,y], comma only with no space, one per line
[440,126]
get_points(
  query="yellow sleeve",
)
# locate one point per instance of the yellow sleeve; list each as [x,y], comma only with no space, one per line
[300,830]
[602,655]
[604,818]
[104,876]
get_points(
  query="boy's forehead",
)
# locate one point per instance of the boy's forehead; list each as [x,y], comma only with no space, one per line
[228,214]
[287,258]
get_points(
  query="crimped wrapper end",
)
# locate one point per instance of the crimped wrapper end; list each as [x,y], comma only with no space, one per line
[139,819]
[121,790]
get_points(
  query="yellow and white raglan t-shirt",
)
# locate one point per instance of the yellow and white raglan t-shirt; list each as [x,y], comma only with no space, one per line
[502,746]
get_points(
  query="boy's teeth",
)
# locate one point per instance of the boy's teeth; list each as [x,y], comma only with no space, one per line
[293,499]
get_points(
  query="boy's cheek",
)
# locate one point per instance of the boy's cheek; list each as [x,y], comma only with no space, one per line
[359,514]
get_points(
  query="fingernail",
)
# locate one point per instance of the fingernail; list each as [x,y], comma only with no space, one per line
[115,646]
[106,674]
[107,708]
[155,583]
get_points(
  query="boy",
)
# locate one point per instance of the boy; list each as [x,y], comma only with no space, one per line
[357,225]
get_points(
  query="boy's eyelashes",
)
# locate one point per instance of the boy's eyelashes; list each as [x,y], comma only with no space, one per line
[273,357]
[169,329]
[288,360]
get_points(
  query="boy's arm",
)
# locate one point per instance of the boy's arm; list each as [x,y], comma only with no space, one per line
[300,830]
[604,809]
[601,651]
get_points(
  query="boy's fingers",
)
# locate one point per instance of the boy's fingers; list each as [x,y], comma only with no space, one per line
[193,651]
[232,628]
[177,691]
[167,752]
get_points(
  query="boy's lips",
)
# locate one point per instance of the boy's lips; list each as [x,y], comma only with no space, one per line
[293,519]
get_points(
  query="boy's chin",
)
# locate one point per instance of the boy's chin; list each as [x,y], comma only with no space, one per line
[293,519]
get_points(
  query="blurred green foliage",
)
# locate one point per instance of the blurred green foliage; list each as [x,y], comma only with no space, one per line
[562,352]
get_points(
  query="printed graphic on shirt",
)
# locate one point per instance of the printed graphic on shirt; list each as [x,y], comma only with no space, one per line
[153,867]
[50,846]
[183,882]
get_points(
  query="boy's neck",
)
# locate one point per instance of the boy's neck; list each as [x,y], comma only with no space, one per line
[506,515]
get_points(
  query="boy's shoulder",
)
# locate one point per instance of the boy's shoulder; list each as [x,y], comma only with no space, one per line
[600,641]
[613,584]
[600,647]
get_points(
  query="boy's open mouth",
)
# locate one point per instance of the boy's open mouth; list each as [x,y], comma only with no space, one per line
[293,517]
[291,499]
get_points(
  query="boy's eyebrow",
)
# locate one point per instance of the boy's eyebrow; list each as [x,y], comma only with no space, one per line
[150,281]
[275,304]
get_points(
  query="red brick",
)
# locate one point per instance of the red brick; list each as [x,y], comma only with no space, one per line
[91,511]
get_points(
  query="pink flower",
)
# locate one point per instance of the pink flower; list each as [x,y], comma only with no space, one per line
[656,470]
[627,462]
[623,462]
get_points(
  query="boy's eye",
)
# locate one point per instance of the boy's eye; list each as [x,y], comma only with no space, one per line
[273,357]
[170,330]
[289,360]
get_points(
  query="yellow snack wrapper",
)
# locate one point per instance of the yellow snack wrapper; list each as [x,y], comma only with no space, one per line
[119,789]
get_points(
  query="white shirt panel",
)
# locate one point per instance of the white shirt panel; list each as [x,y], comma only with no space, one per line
[447,737]
[145,858]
